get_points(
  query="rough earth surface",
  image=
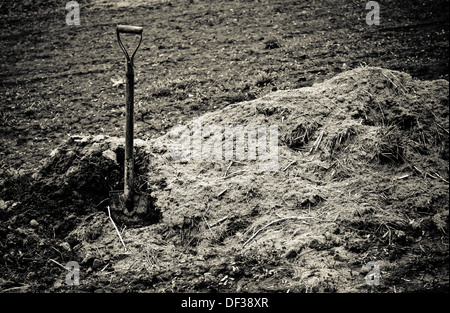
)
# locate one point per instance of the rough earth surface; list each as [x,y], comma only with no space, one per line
[362,172]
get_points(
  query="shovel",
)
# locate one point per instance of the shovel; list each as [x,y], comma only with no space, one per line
[126,201]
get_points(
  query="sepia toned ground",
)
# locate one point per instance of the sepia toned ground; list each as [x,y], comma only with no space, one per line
[312,226]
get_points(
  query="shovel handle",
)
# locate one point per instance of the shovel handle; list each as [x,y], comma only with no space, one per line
[129,29]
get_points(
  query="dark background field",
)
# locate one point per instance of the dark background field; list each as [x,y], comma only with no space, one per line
[196,56]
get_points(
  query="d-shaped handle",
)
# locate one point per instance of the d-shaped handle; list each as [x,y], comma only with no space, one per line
[128,29]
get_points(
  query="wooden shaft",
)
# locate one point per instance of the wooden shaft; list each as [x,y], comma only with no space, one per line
[129,160]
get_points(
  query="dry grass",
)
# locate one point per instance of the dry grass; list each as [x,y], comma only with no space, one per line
[301,135]
[390,147]
[336,142]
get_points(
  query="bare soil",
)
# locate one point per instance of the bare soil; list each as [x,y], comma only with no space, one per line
[363,147]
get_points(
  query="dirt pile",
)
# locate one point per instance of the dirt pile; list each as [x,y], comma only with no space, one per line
[362,175]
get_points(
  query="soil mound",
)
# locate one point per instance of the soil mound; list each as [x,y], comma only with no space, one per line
[361,174]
